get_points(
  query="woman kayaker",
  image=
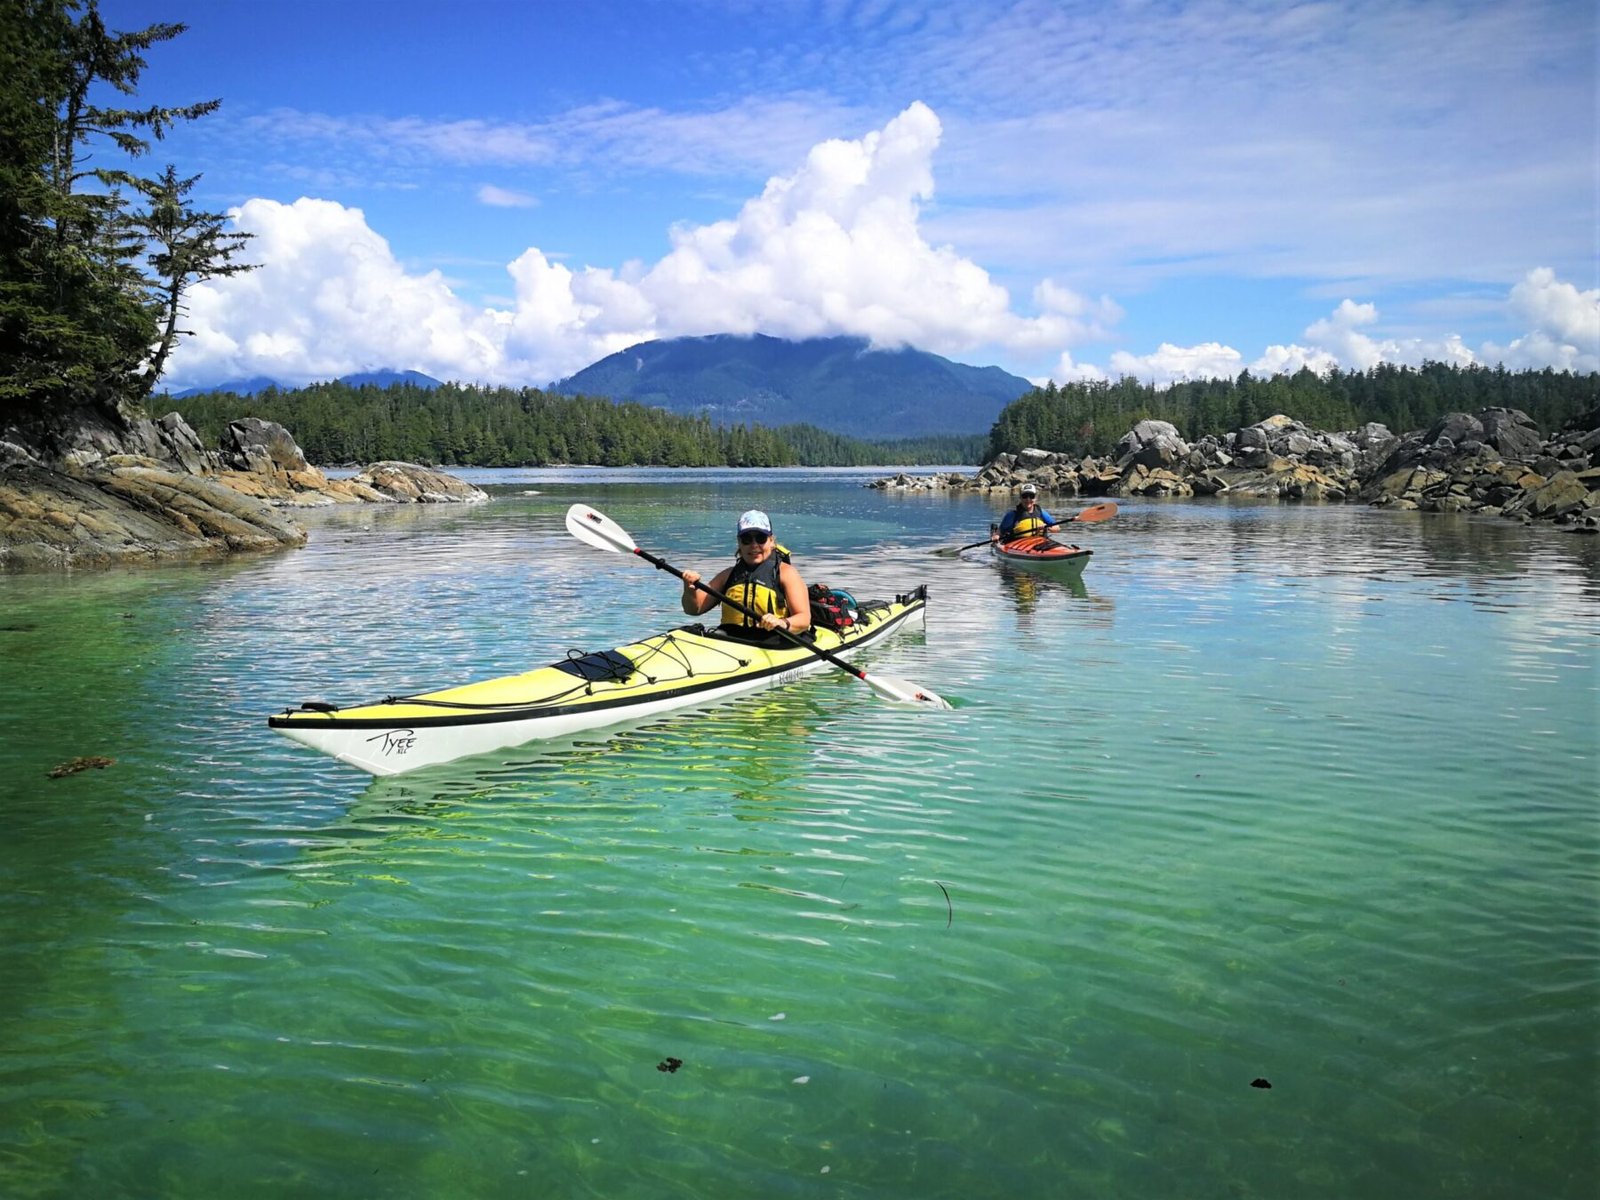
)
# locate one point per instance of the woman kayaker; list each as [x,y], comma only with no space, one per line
[761,579]
[1027,519]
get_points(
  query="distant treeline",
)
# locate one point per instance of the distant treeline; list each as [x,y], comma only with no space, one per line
[458,425]
[1089,418]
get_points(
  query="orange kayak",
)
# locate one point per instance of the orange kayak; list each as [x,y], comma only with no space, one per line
[1038,551]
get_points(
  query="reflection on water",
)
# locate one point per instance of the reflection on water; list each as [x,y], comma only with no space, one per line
[1026,588]
[1294,793]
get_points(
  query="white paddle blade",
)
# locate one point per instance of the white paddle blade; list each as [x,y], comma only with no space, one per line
[904,691]
[598,530]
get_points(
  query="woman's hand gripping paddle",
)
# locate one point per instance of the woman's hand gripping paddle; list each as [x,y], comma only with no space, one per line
[600,531]
[1095,512]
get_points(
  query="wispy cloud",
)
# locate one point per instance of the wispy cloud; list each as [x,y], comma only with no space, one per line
[499,197]
[757,134]
[1122,145]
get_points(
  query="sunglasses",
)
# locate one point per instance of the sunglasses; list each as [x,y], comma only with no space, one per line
[752,537]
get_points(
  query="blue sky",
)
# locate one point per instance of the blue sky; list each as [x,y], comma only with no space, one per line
[504,192]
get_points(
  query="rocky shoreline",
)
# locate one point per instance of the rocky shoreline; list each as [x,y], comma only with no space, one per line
[1494,463]
[102,489]
[99,489]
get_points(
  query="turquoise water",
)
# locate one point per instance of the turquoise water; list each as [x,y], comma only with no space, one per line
[1304,795]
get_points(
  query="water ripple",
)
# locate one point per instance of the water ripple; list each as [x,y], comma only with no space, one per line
[1296,794]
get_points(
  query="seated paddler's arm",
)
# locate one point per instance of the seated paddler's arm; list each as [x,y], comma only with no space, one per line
[694,600]
[796,598]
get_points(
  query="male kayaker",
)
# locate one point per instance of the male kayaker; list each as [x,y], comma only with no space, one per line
[1027,519]
[761,579]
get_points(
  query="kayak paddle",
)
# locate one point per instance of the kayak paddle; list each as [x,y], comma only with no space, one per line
[600,531]
[1095,512]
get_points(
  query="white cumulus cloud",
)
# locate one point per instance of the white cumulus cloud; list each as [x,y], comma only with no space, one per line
[331,299]
[1565,322]
[1177,364]
[836,247]
[1565,335]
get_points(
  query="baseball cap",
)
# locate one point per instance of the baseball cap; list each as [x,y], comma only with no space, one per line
[754,519]
[1029,490]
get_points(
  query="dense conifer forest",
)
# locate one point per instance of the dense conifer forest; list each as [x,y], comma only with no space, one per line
[1089,418]
[458,425]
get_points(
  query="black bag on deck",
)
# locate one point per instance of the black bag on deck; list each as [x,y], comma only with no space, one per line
[831,608]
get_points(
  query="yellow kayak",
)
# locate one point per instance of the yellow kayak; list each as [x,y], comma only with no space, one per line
[688,667]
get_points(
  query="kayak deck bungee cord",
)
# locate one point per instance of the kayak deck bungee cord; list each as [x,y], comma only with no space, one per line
[682,668]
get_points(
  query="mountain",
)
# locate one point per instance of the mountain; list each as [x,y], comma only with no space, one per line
[239,387]
[260,383]
[839,384]
[390,378]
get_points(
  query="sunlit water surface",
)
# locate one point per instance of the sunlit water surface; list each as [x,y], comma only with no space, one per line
[1299,796]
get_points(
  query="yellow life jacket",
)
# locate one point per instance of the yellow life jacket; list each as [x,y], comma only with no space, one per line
[1028,525]
[757,588]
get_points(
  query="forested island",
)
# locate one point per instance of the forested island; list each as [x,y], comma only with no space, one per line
[1090,418]
[466,426]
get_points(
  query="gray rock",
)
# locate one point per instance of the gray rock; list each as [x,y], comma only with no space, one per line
[251,444]
[182,446]
[1454,428]
[1372,436]
[1151,444]
[1563,494]
[104,487]
[128,512]
[1511,432]
[422,485]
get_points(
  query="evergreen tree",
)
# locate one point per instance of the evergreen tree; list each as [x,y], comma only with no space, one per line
[184,247]
[79,310]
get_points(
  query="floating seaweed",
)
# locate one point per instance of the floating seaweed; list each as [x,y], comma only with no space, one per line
[96,761]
